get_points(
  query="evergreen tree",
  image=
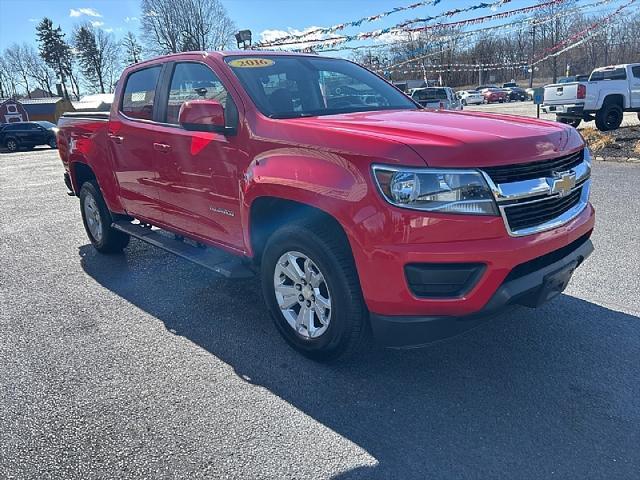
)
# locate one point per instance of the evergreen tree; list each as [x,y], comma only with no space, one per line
[54,50]
[97,54]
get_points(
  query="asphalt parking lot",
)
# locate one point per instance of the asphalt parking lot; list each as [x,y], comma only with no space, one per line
[145,366]
[528,109]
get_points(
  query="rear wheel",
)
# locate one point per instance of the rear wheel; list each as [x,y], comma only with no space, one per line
[311,287]
[574,122]
[97,221]
[52,143]
[12,145]
[609,117]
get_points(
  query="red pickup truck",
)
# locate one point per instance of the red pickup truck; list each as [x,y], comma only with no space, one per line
[359,209]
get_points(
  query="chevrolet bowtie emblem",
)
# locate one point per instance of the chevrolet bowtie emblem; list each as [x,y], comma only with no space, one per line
[562,182]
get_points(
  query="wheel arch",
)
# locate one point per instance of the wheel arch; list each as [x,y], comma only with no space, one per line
[268,213]
[614,98]
[80,172]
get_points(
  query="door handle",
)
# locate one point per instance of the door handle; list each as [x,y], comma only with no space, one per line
[116,138]
[162,147]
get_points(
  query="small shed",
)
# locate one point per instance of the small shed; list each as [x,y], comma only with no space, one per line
[49,109]
[12,111]
[99,102]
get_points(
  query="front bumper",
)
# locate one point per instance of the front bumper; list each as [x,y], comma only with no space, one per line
[530,284]
[568,110]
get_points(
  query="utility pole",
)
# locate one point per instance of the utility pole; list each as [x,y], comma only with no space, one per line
[533,50]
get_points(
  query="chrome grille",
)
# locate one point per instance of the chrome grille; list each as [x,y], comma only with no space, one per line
[532,214]
[528,171]
[541,196]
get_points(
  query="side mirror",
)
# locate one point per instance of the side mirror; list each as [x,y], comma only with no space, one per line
[202,116]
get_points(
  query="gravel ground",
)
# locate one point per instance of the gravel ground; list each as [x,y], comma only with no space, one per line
[145,366]
[620,145]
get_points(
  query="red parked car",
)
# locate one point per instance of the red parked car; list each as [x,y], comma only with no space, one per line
[495,95]
[355,206]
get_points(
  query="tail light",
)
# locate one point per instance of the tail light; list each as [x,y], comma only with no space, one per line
[582,91]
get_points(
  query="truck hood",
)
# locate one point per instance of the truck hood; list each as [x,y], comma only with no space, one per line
[459,139]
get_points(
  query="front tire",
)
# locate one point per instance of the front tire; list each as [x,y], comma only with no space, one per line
[52,143]
[609,117]
[12,145]
[97,221]
[311,288]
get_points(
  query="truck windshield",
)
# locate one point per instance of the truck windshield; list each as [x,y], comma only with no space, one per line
[291,86]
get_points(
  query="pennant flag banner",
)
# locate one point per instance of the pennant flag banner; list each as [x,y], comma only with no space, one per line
[590,31]
[342,26]
[522,23]
[332,42]
[453,12]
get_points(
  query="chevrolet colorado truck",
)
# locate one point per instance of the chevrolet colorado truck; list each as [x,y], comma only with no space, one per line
[609,92]
[359,210]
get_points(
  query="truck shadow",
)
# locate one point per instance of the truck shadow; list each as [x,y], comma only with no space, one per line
[530,395]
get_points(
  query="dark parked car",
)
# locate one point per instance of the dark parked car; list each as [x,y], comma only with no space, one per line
[517,94]
[14,136]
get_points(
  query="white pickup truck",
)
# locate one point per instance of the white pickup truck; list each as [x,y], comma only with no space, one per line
[609,92]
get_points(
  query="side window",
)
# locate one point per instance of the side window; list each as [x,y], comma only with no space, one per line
[636,71]
[139,93]
[195,81]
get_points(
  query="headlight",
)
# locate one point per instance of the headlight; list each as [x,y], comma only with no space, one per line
[436,190]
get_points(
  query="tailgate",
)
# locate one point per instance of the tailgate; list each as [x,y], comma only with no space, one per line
[561,93]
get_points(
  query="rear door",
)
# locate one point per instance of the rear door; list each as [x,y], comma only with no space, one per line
[635,86]
[199,173]
[131,135]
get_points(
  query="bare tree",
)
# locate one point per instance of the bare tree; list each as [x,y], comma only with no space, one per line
[39,71]
[16,56]
[132,48]
[170,27]
[8,82]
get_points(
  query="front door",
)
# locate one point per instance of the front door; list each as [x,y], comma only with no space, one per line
[199,171]
[130,138]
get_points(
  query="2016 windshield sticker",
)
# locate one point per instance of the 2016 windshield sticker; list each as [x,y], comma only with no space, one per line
[251,62]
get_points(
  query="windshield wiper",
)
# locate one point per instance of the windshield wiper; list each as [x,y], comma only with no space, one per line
[290,115]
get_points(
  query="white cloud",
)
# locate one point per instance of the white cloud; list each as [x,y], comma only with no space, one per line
[108,30]
[131,19]
[97,23]
[89,12]
[33,20]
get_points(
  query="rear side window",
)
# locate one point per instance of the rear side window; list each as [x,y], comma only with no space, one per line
[636,71]
[195,81]
[613,74]
[139,93]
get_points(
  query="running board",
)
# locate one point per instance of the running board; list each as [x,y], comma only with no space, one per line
[217,260]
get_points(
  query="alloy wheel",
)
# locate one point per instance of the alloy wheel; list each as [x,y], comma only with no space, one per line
[302,294]
[92,216]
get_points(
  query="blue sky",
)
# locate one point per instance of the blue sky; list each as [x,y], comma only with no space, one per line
[18,17]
